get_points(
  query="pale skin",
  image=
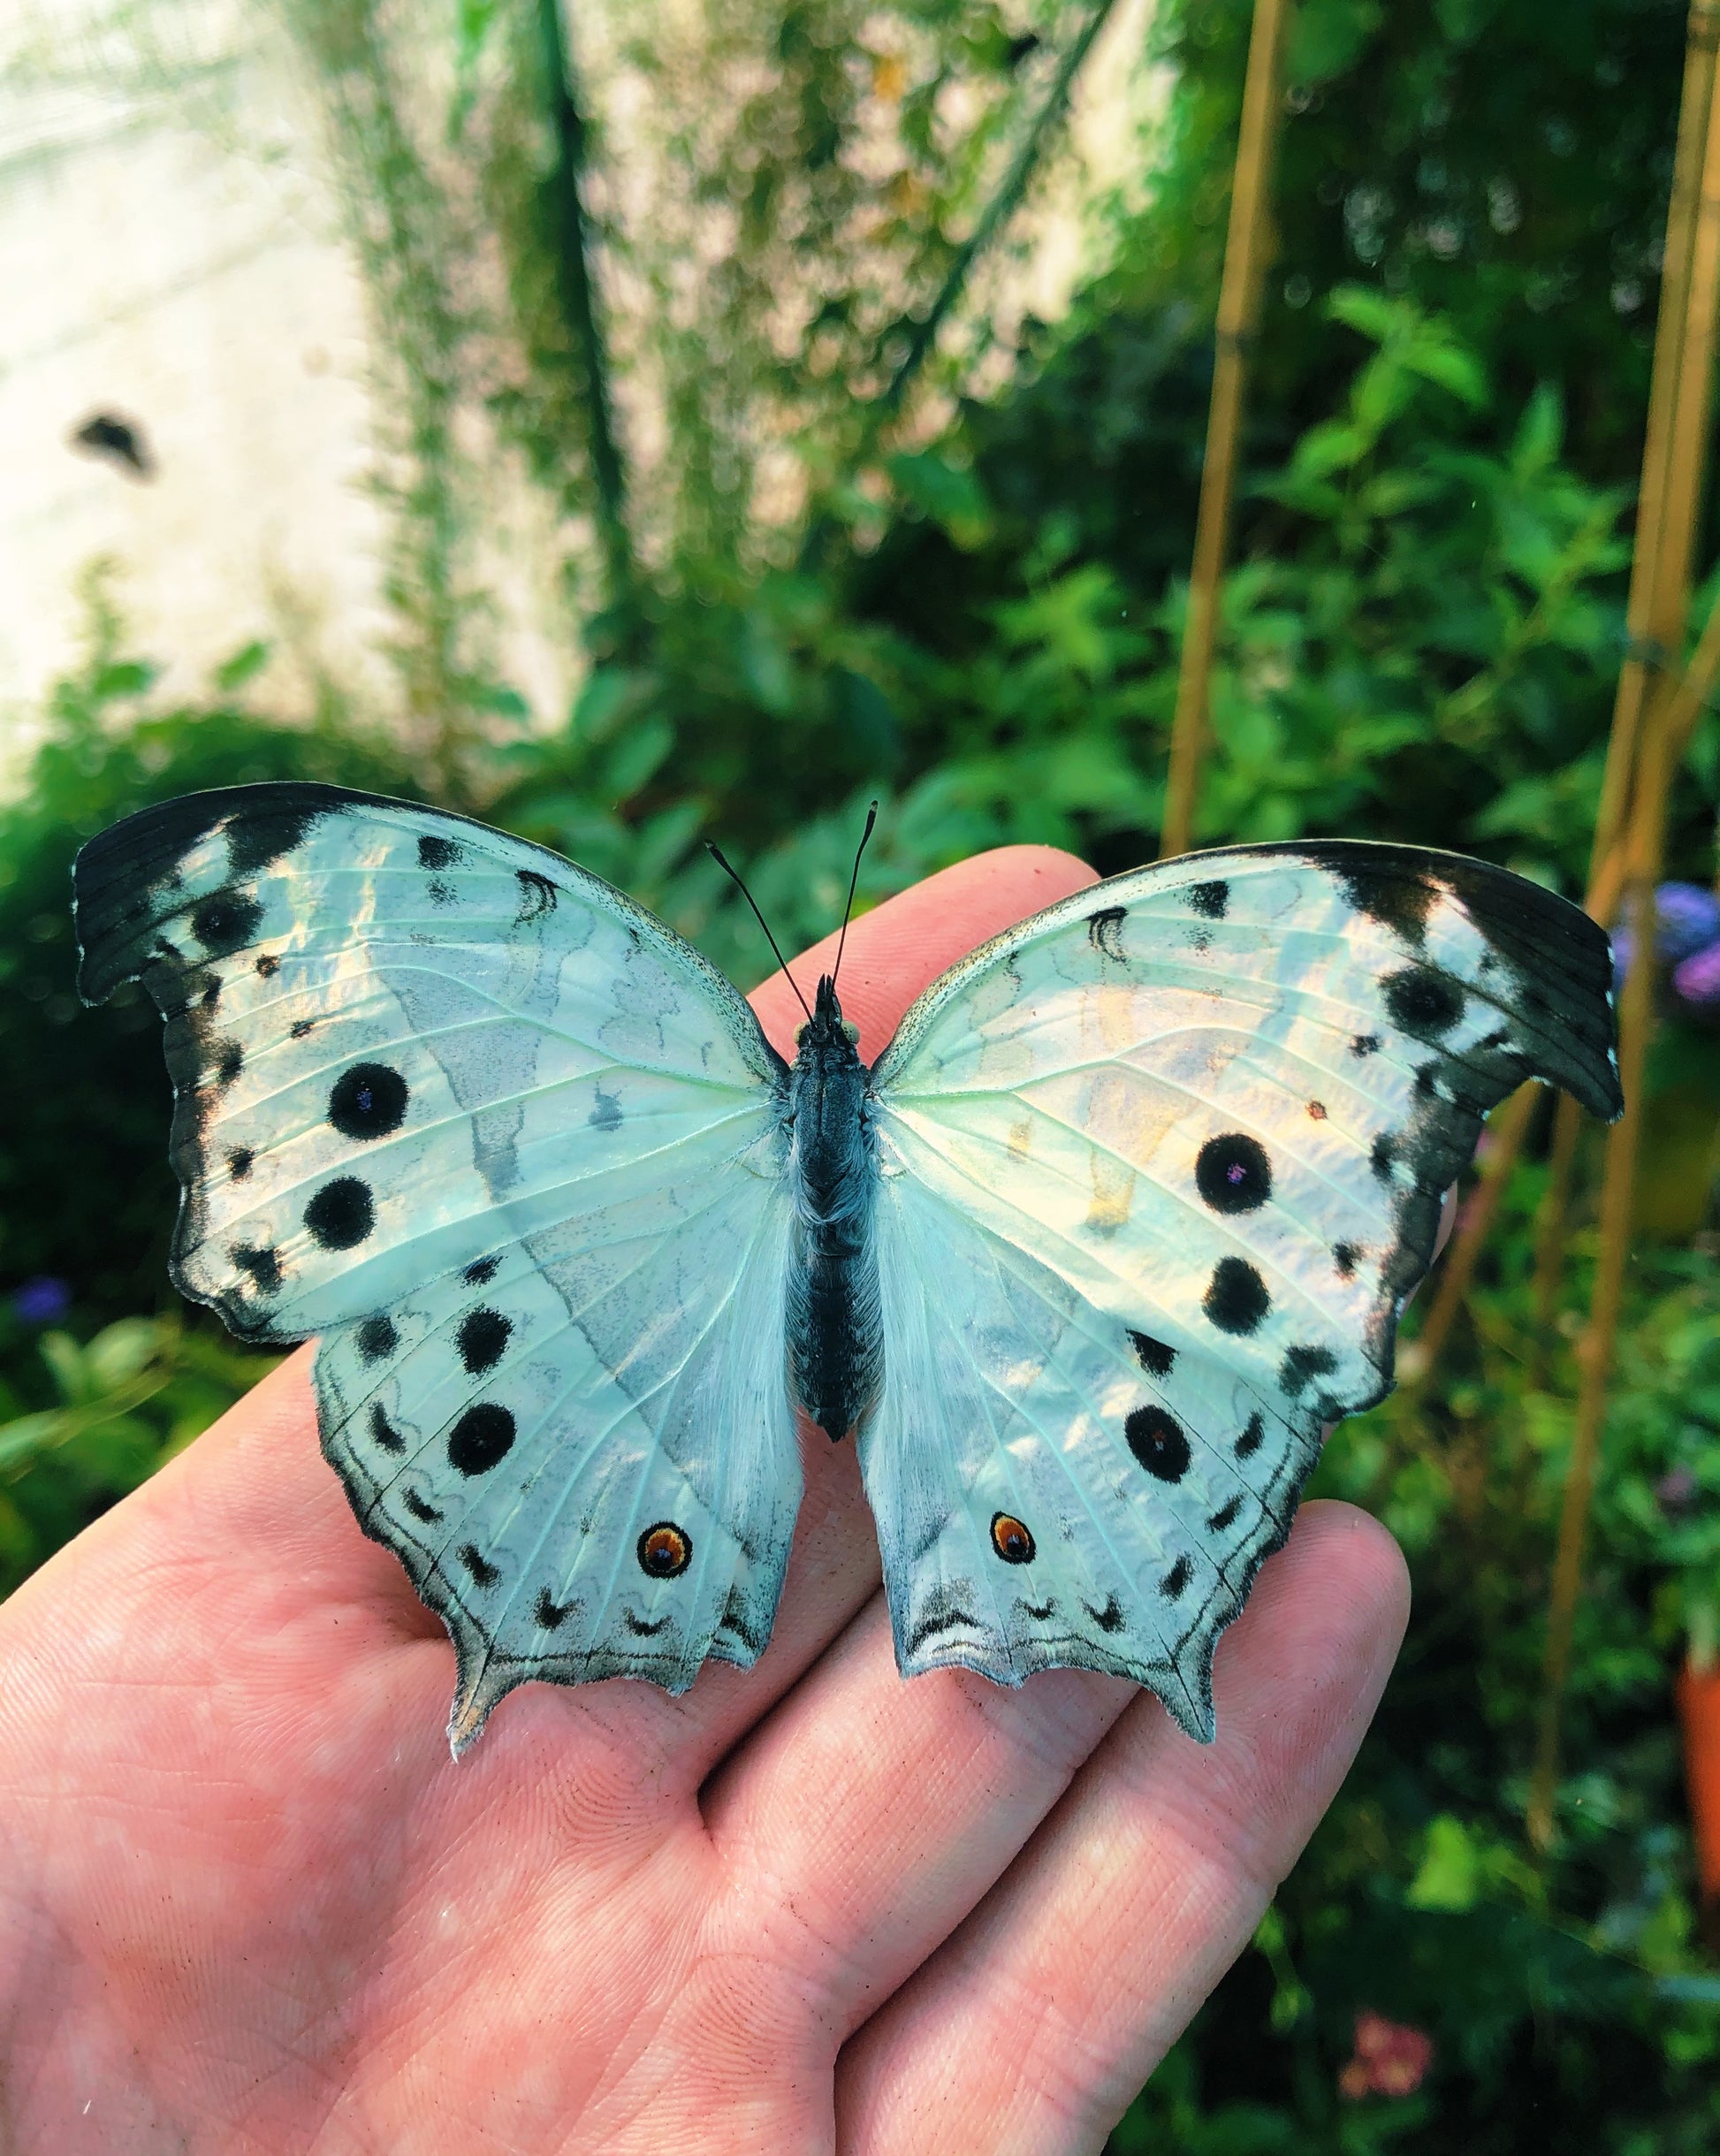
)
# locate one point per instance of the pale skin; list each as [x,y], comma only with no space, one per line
[248,1904]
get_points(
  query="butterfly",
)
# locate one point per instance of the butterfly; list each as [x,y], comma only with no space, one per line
[1125,1212]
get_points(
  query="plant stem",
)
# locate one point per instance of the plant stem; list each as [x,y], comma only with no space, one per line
[572,233]
[996,213]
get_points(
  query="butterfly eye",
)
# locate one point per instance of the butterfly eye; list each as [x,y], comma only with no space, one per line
[665,1551]
[1012,1540]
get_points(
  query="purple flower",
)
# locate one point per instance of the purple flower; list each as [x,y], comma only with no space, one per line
[1698,979]
[1686,917]
[42,1301]
[1675,1490]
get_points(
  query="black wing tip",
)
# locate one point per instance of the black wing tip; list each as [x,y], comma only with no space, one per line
[114,871]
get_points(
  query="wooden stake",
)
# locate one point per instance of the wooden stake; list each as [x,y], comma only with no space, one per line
[1686,459]
[1246,249]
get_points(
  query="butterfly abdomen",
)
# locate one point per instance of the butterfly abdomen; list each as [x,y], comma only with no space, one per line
[835,1329]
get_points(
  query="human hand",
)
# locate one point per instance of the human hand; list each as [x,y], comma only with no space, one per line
[249,1903]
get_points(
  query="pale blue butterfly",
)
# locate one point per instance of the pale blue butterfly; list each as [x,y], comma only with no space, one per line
[1126,1211]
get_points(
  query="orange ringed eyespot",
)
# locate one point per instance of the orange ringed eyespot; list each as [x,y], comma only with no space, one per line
[664,1550]
[1011,1539]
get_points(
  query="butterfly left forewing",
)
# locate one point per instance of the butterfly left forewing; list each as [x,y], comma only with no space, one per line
[516,1152]
[1213,1105]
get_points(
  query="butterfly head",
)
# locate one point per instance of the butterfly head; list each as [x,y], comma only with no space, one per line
[827,1034]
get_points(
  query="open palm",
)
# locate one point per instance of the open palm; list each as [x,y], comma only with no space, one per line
[249,1903]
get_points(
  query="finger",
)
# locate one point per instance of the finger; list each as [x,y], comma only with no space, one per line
[902,946]
[1033,2027]
[868,1815]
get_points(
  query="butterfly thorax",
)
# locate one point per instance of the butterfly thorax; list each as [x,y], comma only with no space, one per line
[836,1338]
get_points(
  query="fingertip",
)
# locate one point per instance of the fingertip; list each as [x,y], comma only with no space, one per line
[902,946]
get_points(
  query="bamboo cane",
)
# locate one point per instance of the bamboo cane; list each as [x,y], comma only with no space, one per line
[1646,609]
[1617,1189]
[1247,247]
[1655,609]
[1687,433]
[1659,594]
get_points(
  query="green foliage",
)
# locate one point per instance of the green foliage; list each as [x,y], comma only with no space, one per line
[85,1423]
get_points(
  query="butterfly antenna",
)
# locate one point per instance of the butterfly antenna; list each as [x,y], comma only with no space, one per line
[853,885]
[717,855]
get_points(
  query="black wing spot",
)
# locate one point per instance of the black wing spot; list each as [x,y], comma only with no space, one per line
[418,1508]
[1157,1441]
[1212,899]
[1237,1299]
[1400,903]
[240,1161]
[1104,931]
[377,1337]
[228,1061]
[1225,1516]
[483,1573]
[1252,1435]
[369,1101]
[1154,1356]
[480,1270]
[1110,1618]
[1037,1611]
[482,1438]
[1301,1366]
[537,894]
[341,1214]
[1345,1256]
[301,1028]
[1424,1086]
[606,1116]
[226,921]
[440,892]
[264,1266]
[647,1629]
[255,840]
[482,1338]
[550,1613]
[1365,1044]
[385,1434]
[1175,1580]
[212,992]
[435,853]
[1233,1174]
[1424,1003]
[1382,1155]
[267,964]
